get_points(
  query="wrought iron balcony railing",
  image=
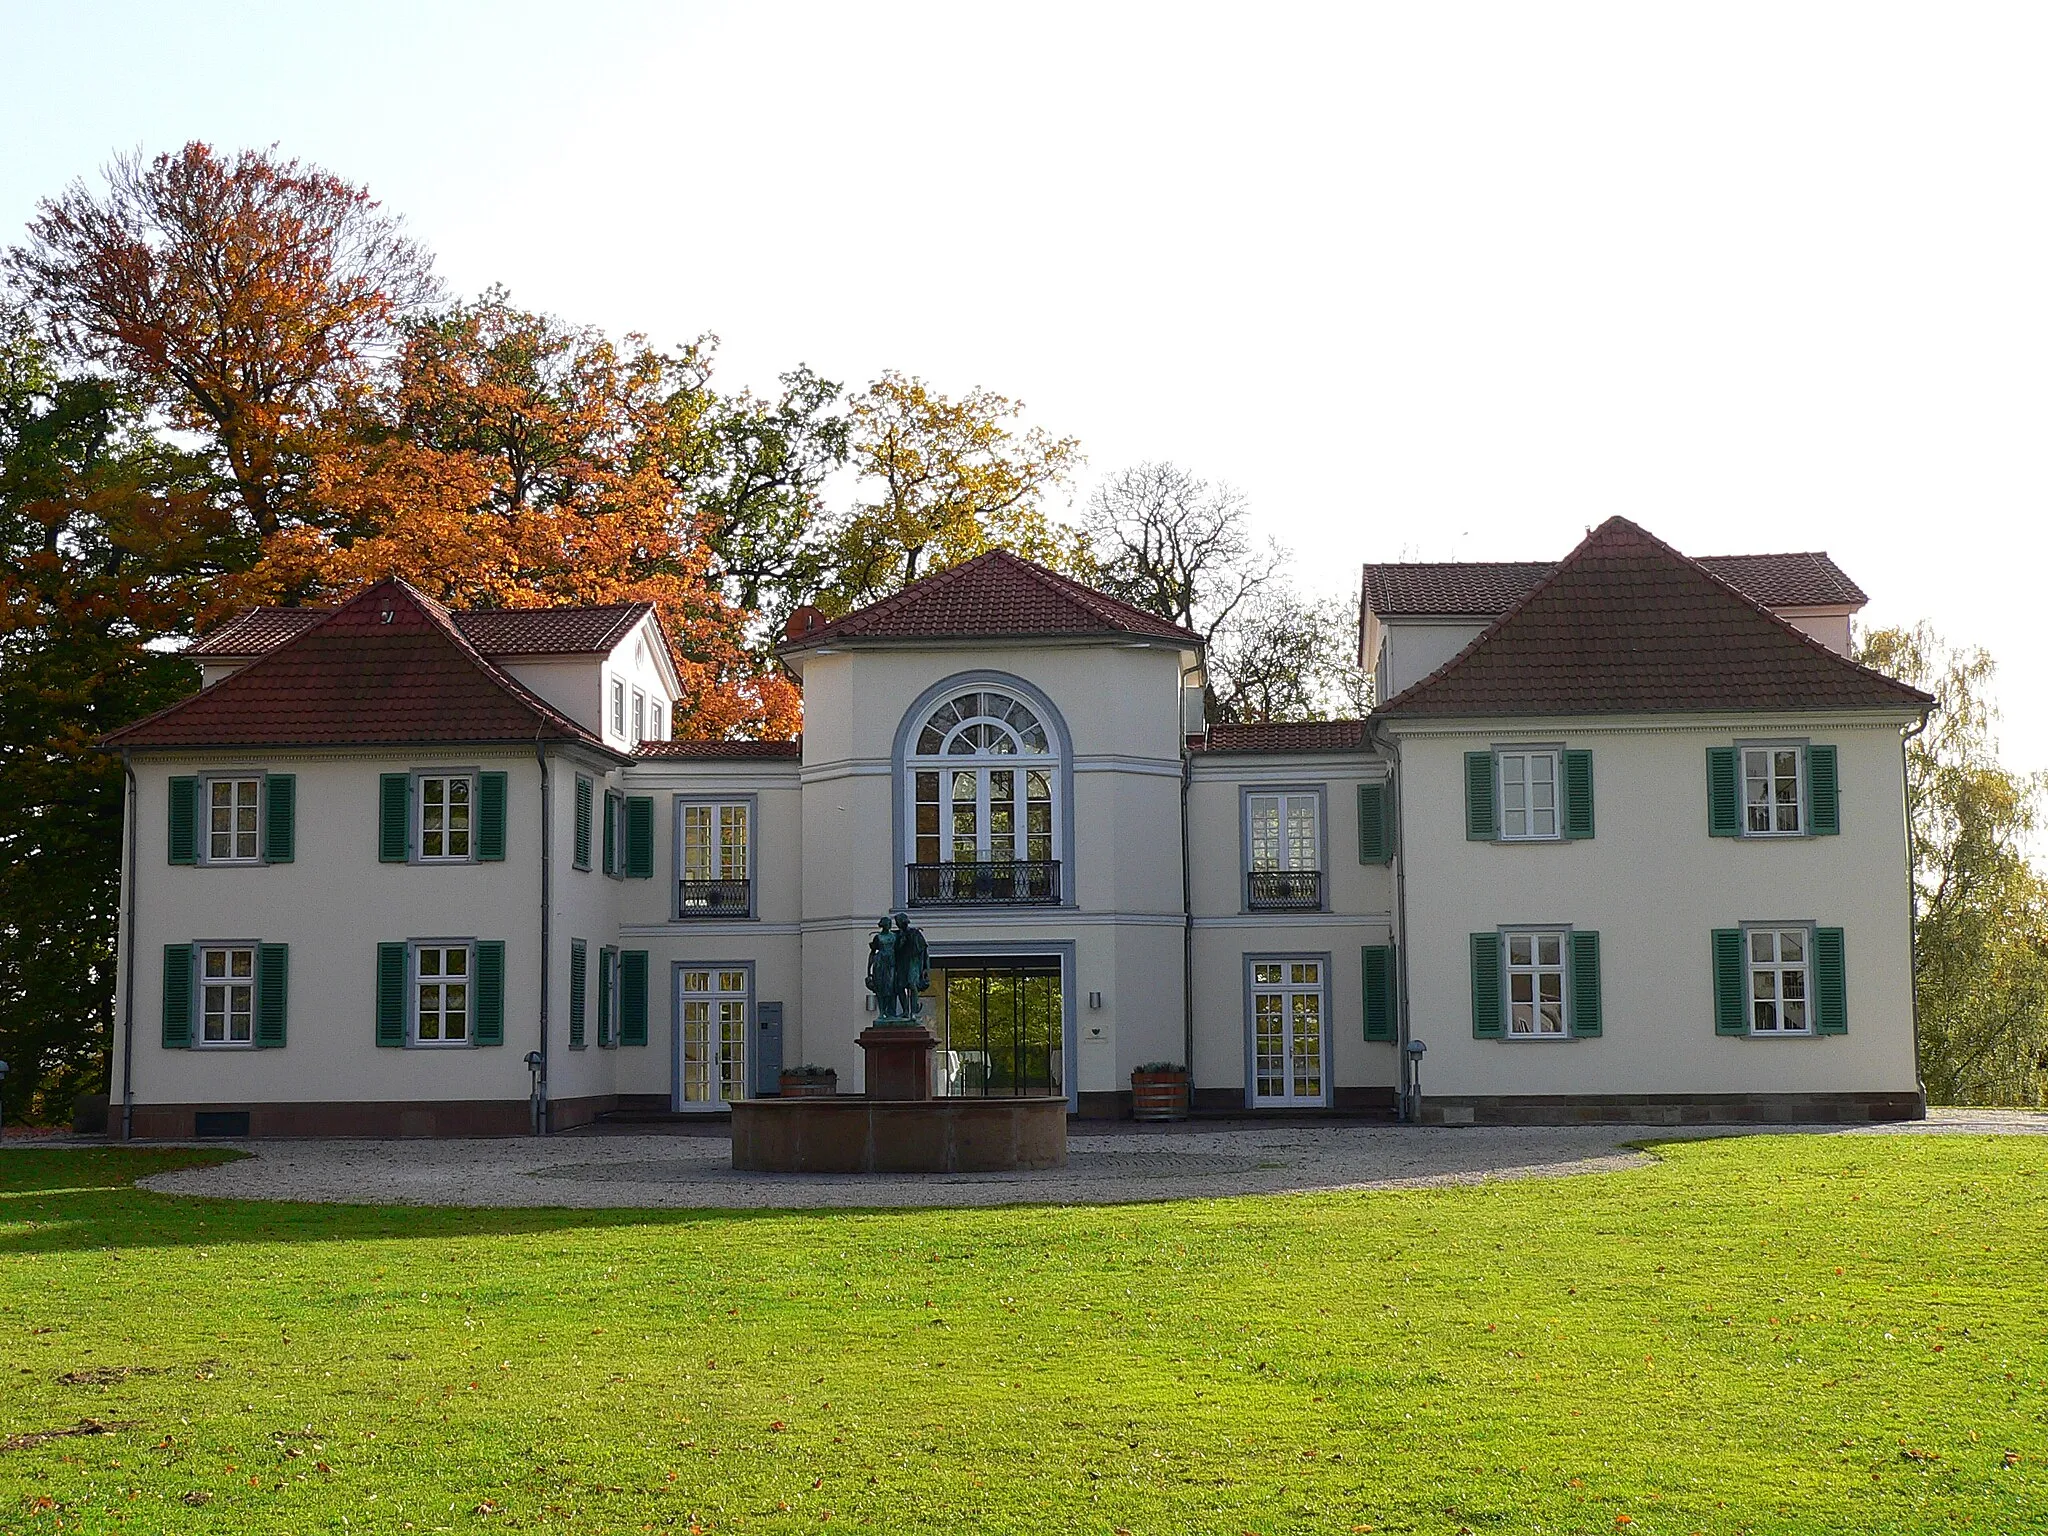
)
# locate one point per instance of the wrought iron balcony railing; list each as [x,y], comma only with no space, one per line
[1012,883]
[714,898]
[1284,890]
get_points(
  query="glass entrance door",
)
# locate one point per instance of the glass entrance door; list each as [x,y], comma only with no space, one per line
[1287,1032]
[1001,1024]
[711,1029]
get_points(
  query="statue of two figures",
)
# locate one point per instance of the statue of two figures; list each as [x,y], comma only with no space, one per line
[899,968]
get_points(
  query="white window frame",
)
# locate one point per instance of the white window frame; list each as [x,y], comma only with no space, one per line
[1535,969]
[618,702]
[417,979]
[1286,801]
[608,991]
[657,719]
[206,833]
[419,816]
[1772,779]
[228,982]
[1778,969]
[1287,988]
[720,810]
[615,812]
[1527,758]
[639,717]
[729,1069]
[1021,759]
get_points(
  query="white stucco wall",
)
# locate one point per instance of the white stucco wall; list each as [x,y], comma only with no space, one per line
[1411,649]
[1655,885]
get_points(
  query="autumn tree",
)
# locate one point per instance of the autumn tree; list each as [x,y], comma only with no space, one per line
[108,547]
[516,461]
[1980,906]
[246,294]
[941,481]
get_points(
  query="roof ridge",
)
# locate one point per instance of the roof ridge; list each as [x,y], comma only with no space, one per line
[444,619]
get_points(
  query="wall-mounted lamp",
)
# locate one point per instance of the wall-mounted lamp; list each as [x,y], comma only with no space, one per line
[1094,999]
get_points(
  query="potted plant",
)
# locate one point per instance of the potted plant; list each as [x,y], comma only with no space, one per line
[809,1082]
[1159,1091]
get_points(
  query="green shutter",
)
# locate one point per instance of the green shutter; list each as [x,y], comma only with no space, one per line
[273,983]
[579,983]
[611,834]
[1482,821]
[640,837]
[184,820]
[490,992]
[1724,794]
[177,996]
[1487,1023]
[490,818]
[280,817]
[1377,967]
[1578,794]
[1375,825]
[391,968]
[394,818]
[1823,792]
[604,996]
[633,997]
[582,822]
[1585,983]
[1731,975]
[1830,982]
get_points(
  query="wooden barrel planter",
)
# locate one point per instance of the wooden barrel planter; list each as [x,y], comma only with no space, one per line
[809,1084]
[1159,1091]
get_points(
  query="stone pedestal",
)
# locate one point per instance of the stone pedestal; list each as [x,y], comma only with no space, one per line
[899,1060]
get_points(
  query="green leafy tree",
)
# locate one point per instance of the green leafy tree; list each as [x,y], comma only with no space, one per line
[107,549]
[1981,907]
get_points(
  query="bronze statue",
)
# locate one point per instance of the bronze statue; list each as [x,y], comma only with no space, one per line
[899,968]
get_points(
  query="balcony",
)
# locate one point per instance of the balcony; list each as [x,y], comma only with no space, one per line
[1284,890]
[1013,883]
[714,898]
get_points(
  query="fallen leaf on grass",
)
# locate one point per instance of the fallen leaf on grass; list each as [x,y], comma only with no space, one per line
[196,1498]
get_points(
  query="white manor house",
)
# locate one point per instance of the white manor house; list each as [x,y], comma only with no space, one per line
[1625,840]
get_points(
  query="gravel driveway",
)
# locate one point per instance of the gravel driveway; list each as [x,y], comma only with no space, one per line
[1167,1163]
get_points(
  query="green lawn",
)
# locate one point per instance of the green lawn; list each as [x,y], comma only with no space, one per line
[1769,1334]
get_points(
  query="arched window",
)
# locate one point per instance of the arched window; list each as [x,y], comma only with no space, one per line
[983,773]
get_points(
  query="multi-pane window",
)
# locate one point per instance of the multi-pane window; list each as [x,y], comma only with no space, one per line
[441,993]
[1282,831]
[714,859]
[1287,1031]
[639,717]
[618,707]
[231,811]
[1779,997]
[972,800]
[446,822]
[712,1007]
[1528,795]
[1536,986]
[227,995]
[657,720]
[1772,791]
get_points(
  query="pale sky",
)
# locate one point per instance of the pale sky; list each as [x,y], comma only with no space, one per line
[1426,281]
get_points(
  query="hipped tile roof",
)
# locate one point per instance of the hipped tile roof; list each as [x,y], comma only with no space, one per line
[998,595]
[388,668]
[493,631]
[1283,736]
[1488,589]
[1629,625]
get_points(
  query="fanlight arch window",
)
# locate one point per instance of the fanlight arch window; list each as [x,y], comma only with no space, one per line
[984,774]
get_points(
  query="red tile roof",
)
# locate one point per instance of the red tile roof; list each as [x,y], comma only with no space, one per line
[998,595]
[718,749]
[1488,589]
[493,631]
[387,668]
[1283,736]
[1629,625]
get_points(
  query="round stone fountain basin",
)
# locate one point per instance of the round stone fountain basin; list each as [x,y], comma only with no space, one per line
[854,1134]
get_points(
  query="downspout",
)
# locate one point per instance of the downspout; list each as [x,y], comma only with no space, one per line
[1912,901]
[126,925]
[1410,1108]
[1187,888]
[547,854]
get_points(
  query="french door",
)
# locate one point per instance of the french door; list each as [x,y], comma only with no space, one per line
[1287,1008]
[711,1036]
[989,815]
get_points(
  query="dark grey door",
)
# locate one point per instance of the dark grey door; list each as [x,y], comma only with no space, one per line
[767,1049]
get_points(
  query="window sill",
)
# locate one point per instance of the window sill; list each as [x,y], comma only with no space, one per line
[221,1045]
[1565,1039]
[1782,1034]
[440,1045]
